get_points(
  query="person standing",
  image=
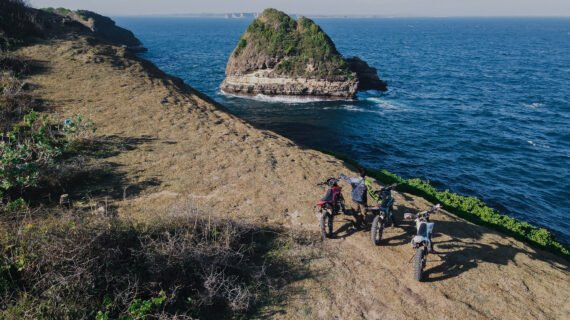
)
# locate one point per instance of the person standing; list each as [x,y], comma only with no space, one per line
[359,196]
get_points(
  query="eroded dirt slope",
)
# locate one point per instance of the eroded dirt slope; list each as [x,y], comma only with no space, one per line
[163,143]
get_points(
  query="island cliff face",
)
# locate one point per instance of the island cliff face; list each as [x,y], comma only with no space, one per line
[280,56]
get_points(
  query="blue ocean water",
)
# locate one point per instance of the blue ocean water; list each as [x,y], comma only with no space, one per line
[479,106]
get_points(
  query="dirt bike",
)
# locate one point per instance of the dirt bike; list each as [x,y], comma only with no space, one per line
[383,213]
[329,206]
[422,241]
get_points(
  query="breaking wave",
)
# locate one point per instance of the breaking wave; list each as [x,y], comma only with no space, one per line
[282,99]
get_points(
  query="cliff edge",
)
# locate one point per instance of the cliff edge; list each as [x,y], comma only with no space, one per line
[278,55]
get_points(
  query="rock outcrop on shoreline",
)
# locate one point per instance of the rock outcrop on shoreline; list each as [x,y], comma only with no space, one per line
[279,56]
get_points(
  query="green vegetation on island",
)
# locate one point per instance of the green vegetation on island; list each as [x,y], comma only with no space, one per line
[301,46]
[61,11]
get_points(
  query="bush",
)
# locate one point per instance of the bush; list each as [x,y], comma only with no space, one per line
[185,264]
[30,151]
[61,11]
[26,150]
[17,22]
[241,45]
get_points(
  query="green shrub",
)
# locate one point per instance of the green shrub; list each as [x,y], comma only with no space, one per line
[140,309]
[32,148]
[241,45]
[61,11]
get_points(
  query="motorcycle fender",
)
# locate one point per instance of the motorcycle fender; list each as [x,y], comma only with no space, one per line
[418,239]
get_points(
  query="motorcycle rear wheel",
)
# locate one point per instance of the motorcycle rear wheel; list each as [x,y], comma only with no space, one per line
[377,230]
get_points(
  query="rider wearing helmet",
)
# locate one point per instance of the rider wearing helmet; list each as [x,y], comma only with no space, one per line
[359,194]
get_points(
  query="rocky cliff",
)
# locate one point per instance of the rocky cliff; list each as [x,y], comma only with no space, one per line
[101,26]
[278,55]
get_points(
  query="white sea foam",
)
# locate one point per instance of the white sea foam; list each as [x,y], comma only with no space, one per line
[539,145]
[282,99]
[534,105]
[385,104]
[350,107]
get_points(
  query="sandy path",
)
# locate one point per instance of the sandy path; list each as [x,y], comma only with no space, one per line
[168,144]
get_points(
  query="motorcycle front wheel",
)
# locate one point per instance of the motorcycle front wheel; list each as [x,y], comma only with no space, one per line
[419,263]
[326,223]
[377,230]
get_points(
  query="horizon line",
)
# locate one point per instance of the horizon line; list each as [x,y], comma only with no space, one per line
[382,16]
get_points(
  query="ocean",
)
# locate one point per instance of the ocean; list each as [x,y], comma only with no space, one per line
[479,106]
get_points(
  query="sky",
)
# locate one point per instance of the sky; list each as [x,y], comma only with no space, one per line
[414,8]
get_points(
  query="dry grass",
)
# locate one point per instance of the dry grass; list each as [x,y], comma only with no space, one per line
[73,264]
[15,102]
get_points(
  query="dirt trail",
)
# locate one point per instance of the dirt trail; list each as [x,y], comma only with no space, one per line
[167,144]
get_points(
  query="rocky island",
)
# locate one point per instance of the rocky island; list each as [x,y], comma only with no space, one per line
[281,56]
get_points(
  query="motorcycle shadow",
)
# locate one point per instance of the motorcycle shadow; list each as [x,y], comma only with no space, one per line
[464,250]
[347,229]
[401,233]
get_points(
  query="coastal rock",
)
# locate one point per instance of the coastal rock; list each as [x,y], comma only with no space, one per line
[102,27]
[367,75]
[280,56]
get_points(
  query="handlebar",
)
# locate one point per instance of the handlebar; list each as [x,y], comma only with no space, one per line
[409,216]
[390,187]
[326,182]
[430,210]
[393,185]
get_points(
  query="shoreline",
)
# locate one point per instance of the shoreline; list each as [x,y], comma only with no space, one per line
[289,99]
